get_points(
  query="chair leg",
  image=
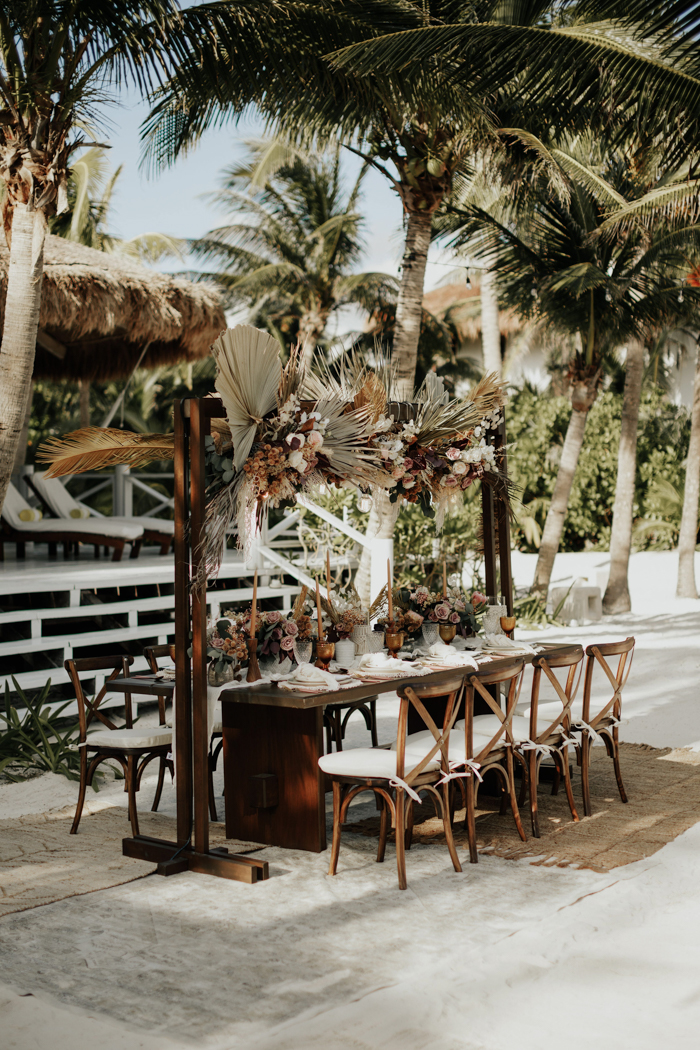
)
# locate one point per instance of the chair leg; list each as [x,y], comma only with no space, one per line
[384,825]
[533,776]
[585,762]
[400,837]
[159,786]
[131,788]
[212,801]
[410,818]
[81,792]
[470,819]
[21,549]
[616,763]
[329,736]
[373,730]
[564,756]
[118,551]
[447,824]
[556,782]
[165,547]
[337,729]
[513,799]
[52,550]
[335,848]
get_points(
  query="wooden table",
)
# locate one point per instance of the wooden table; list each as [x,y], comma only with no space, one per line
[273,739]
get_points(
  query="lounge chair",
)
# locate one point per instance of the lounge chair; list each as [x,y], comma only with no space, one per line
[57,499]
[23,524]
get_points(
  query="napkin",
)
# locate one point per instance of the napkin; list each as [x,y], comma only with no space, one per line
[381,662]
[450,657]
[310,675]
[503,642]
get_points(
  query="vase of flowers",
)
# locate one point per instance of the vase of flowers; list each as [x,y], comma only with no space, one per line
[277,634]
[226,649]
[450,608]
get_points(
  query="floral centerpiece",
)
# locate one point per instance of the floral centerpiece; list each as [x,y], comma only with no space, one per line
[276,633]
[451,607]
[408,622]
[227,642]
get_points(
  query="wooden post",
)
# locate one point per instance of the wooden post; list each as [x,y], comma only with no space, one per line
[199,428]
[183,697]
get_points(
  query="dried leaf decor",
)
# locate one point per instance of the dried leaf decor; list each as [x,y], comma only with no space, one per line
[248,376]
[93,448]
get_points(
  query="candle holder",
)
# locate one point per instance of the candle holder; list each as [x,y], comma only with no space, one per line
[325,651]
[393,641]
[253,669]
[447,632]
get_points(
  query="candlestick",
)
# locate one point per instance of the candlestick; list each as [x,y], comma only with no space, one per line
[318,612]
[444,578]
[328,574]
[253,614]
[390,588]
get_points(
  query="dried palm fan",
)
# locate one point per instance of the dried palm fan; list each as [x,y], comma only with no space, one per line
[342,378]
[298,609]
[221,432]
[379,603]
[248,376]
[488,393]
[293,375]
[345,442]
[93,448]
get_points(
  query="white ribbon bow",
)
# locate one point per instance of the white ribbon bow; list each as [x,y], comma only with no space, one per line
[397,782]
[474,768]
[584,727]
[539,749]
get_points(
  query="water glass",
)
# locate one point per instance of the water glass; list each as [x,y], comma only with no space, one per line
[303,649]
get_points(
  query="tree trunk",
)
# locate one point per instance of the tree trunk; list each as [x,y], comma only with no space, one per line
[19,334]
[21,454]
[490,328]
[554,525]
[687,539]
[617,595]
[382,519]
[84,385]
[409,307]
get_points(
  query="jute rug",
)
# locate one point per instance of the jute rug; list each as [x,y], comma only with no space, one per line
[664,800]
[40,862]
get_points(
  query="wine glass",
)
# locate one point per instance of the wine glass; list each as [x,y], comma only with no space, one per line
[302,650]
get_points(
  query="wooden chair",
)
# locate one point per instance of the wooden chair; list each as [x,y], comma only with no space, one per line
[603,721]
[403,771]
[132,748]
[336,717]
[542,731]
[152,654]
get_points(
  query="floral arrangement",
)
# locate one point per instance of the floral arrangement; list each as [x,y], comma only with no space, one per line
[449,608]
[227,641]
[276,633]
[410,622]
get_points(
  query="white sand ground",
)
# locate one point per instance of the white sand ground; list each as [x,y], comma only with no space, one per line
[502,954]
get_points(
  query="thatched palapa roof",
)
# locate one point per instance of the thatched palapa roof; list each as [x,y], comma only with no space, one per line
[462,306]
[99,310]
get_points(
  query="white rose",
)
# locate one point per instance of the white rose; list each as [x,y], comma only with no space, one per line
[408,484]
[299,438]
[314,439]
[459,467]
[297,461]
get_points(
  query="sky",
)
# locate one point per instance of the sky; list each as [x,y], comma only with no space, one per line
[174,201]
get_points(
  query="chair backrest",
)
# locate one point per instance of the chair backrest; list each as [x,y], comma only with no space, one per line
[89,709]
[56,496]
[14,505]
[412,696]
[153,653]
[568,659]
[476,682]
[597,656]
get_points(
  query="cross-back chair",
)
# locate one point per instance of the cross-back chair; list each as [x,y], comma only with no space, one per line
[336,717]
[543,731]
[603,719]
[396,776]
[132,748]
[153,653]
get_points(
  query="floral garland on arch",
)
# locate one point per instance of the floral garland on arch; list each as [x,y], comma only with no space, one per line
[289,431]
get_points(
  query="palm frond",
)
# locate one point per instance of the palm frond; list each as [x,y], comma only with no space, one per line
[248,376]
[94,448]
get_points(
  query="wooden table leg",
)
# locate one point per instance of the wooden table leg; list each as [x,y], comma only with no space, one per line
[275,790]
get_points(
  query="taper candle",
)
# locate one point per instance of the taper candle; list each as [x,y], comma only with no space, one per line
[328,574]
[444,578]
[318,612]
[253,614]
[390,588]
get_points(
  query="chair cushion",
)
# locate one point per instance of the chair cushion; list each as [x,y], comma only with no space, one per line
[149,736]
[364,762]
[90,527]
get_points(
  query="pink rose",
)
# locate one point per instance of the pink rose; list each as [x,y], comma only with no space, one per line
[466,482]
[451,481]
[287,643]
[453,453]
[478,598]
[407,463]
[217,643]
[459,468]
[291,628]
[454,617]
[314,439]
[442,611]
[397,472]
[431,616]
[274,616]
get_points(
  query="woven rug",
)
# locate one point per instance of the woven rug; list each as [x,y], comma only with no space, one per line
[41,862]
[664,800]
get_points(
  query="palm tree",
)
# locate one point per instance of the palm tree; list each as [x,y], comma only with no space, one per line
[59,61]
[544,240]
[289,252]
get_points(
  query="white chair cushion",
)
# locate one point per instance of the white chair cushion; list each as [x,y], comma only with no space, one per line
[149,736]
[364,762]
[153,524]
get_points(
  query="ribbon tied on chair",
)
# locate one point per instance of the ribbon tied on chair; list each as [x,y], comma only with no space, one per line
[454,774]
[397,782]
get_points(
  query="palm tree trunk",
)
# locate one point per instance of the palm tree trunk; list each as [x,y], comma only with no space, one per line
[18,347]
[21,454]
[688,536]
[490,327]
[554,525]
[409,307]
[617,595]
[382,520]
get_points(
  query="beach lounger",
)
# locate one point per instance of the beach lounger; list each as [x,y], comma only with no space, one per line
[23,524]
[55,497]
